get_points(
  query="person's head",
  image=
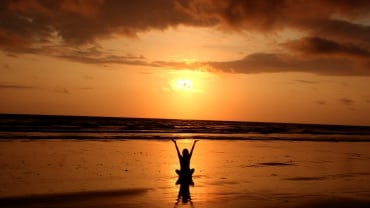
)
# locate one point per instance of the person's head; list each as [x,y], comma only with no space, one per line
[185,152]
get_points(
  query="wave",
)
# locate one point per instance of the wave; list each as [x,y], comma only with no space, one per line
[107,128]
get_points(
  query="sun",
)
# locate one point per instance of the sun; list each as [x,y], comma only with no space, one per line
[184,84]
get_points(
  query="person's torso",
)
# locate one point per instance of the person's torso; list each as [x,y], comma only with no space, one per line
[185,163]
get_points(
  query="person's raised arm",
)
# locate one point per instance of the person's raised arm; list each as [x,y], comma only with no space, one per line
[192,148]
[177,149]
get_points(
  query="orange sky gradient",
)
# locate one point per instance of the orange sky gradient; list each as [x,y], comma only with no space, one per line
[275,61]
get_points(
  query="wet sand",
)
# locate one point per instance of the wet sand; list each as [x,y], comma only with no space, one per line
[141,173]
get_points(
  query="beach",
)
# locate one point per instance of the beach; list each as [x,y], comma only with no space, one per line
[141,173]
[103,101]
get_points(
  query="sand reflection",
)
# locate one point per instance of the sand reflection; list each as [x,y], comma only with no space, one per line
[141,173]
[184,195]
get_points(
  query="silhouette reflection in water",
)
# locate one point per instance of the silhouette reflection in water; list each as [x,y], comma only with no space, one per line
[185,173]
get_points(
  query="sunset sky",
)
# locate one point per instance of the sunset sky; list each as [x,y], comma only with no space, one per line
[276,61]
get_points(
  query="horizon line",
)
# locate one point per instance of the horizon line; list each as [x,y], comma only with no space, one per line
[185,119]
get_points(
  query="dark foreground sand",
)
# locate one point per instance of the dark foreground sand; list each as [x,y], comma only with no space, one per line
[131,198]
[141,173]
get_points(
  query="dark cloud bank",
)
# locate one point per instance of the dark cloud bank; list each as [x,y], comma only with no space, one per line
[17,87]
[337,40]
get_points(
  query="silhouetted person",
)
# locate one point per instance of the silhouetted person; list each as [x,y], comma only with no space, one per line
[185,172]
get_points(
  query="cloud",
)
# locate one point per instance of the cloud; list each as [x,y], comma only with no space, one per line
[86,8]
[250,64]
[269,15]
[84,21]
[5,66]
[61,90]
[334,34]
[346,101]
[84,56]
[306,81]
[336,42]
[321,46]
[277,63]
[17,87]
[339,30]
[90,54]
[321,102]
[273,62]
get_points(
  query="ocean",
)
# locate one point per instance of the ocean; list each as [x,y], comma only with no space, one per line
[96,128]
